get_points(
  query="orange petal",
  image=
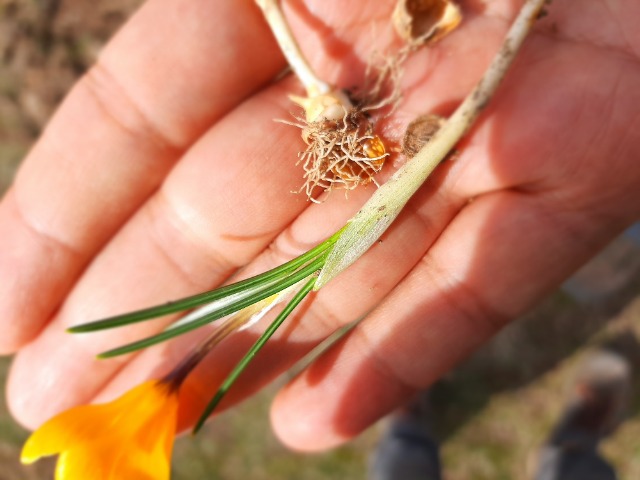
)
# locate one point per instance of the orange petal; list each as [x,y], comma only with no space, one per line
[120,419]
[74,426]
[111,459]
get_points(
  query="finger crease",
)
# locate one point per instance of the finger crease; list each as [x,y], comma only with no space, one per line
[217,263]
[379,363]
[467,304]
[113,100]
[45,237]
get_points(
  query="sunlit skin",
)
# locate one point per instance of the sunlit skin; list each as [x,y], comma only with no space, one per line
[130,437]
[164,171]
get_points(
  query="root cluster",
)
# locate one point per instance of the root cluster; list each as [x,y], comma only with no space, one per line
[343,150]
[342,153]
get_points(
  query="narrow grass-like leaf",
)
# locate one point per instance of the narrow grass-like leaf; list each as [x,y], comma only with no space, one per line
[242,364]
[247,285]
[244,302]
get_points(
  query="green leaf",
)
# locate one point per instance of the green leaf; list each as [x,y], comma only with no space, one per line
[227,309]
[244,287]
[246,360]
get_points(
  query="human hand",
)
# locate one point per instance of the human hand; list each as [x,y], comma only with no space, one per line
[163,172]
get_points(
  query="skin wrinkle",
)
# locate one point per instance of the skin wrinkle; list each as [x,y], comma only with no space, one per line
[566,171]
[57,150]
[110,376]
[318,317]
[605,49]
[569,170]
[28,216]
[48,239]
[607,114]
[616,20]
[382,365]
[287,246]
[600,136]
[22,305]
[634,52]
[23,324]
[67,271]
[166,213]
[633,129]
[433,270]
[570,219]
[113,366]
[554,32]
[473,308]
[569,224]
[212,371]
[565,219]
[197,56]
[169,254]
[121,109]
[624,132]
[614,97]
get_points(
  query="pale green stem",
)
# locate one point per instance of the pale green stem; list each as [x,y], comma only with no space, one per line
[383,207]
[298,63]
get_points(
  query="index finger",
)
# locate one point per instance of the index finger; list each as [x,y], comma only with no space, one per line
[173,70]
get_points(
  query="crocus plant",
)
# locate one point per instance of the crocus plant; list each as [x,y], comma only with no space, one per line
[132,437]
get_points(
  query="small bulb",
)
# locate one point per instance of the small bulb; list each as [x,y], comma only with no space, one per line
[331,106]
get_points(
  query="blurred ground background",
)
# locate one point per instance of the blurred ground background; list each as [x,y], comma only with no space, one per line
[491,413]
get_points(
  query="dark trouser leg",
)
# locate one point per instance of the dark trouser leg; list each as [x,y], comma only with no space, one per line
[561,464]
[593,412]
[407,451]
[404,454]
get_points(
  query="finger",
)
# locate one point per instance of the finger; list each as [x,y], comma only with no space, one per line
[220,206]
[500,254]
[171,72]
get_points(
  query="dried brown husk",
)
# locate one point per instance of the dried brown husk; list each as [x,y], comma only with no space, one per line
[419,132]
[425,21]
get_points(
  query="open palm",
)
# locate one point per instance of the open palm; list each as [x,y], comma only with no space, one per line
[163,173]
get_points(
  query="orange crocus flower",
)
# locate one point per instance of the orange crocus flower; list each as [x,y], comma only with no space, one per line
[130,437]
